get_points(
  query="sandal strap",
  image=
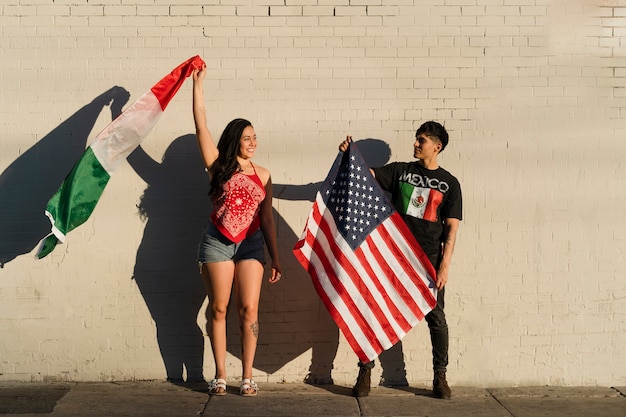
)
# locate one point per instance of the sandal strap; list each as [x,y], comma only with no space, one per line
[248,384]
[217,383]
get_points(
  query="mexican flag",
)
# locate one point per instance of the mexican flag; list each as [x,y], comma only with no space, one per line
[419,202]
[75,200]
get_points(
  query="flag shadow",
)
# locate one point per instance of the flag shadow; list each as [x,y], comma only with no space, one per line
[29,182]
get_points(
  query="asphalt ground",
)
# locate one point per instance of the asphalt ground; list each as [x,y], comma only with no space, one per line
[159,398]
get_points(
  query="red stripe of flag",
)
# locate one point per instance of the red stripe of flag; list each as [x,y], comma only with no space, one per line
[402,295]
[435,197]
[343,268]
[166,89]
[380,261]
[318,278]
[333,311]
[401,273]
[422,273]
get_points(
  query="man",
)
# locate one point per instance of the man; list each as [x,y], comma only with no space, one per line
[429,199]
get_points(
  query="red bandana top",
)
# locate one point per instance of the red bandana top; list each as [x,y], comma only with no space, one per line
[236,211]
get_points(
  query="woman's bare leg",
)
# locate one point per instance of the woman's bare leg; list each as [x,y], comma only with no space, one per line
[218,280]
[248,281]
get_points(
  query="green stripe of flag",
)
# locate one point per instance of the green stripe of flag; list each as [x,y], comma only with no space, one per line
[75,200]
[404,198]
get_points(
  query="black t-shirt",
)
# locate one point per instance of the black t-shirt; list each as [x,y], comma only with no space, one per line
[424,198]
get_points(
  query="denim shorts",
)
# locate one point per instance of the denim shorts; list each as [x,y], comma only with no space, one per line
[215,247]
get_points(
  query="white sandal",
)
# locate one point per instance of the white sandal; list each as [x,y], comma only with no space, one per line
[216,385]
[246,386]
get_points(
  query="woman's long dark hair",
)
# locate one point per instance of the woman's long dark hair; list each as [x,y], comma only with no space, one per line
[226,163]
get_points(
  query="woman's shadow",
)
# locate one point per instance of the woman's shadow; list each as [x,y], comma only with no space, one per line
[175,207]
[31,180]
[310,324]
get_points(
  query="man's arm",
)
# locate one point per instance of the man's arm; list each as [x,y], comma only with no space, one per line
[451,226]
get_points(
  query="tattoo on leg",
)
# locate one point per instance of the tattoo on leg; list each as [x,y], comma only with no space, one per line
[255,329]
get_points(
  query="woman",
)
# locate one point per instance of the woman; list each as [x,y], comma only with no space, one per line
[231,250]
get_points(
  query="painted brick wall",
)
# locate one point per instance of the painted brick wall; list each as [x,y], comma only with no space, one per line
[533,93]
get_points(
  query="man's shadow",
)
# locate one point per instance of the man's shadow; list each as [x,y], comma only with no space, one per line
[31,180]
[309,321]
[175,207]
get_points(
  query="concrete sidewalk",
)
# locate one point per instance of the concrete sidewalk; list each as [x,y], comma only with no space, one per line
[150,398]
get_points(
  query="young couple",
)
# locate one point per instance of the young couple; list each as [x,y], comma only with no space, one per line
[231,252]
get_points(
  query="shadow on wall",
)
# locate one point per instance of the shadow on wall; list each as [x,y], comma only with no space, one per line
[33,178]
[175,207]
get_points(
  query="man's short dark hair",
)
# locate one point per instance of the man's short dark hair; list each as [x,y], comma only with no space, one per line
[434,129]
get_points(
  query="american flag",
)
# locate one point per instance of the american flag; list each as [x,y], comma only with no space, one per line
[368,269]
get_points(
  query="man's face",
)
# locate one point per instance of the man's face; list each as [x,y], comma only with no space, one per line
[426,147]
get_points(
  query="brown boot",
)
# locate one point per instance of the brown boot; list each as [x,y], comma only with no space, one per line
[363,381]
[440,386]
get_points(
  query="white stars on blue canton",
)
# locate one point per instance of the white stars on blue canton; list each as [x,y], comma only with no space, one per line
[355,200]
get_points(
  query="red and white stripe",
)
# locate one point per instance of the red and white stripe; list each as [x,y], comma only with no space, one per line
[122,136]
[376,293]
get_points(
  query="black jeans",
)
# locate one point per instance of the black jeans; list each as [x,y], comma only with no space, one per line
[438,327]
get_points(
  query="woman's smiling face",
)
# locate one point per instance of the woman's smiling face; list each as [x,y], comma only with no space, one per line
[247,143]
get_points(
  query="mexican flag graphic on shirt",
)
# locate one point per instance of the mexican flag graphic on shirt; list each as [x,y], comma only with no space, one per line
[419,202]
